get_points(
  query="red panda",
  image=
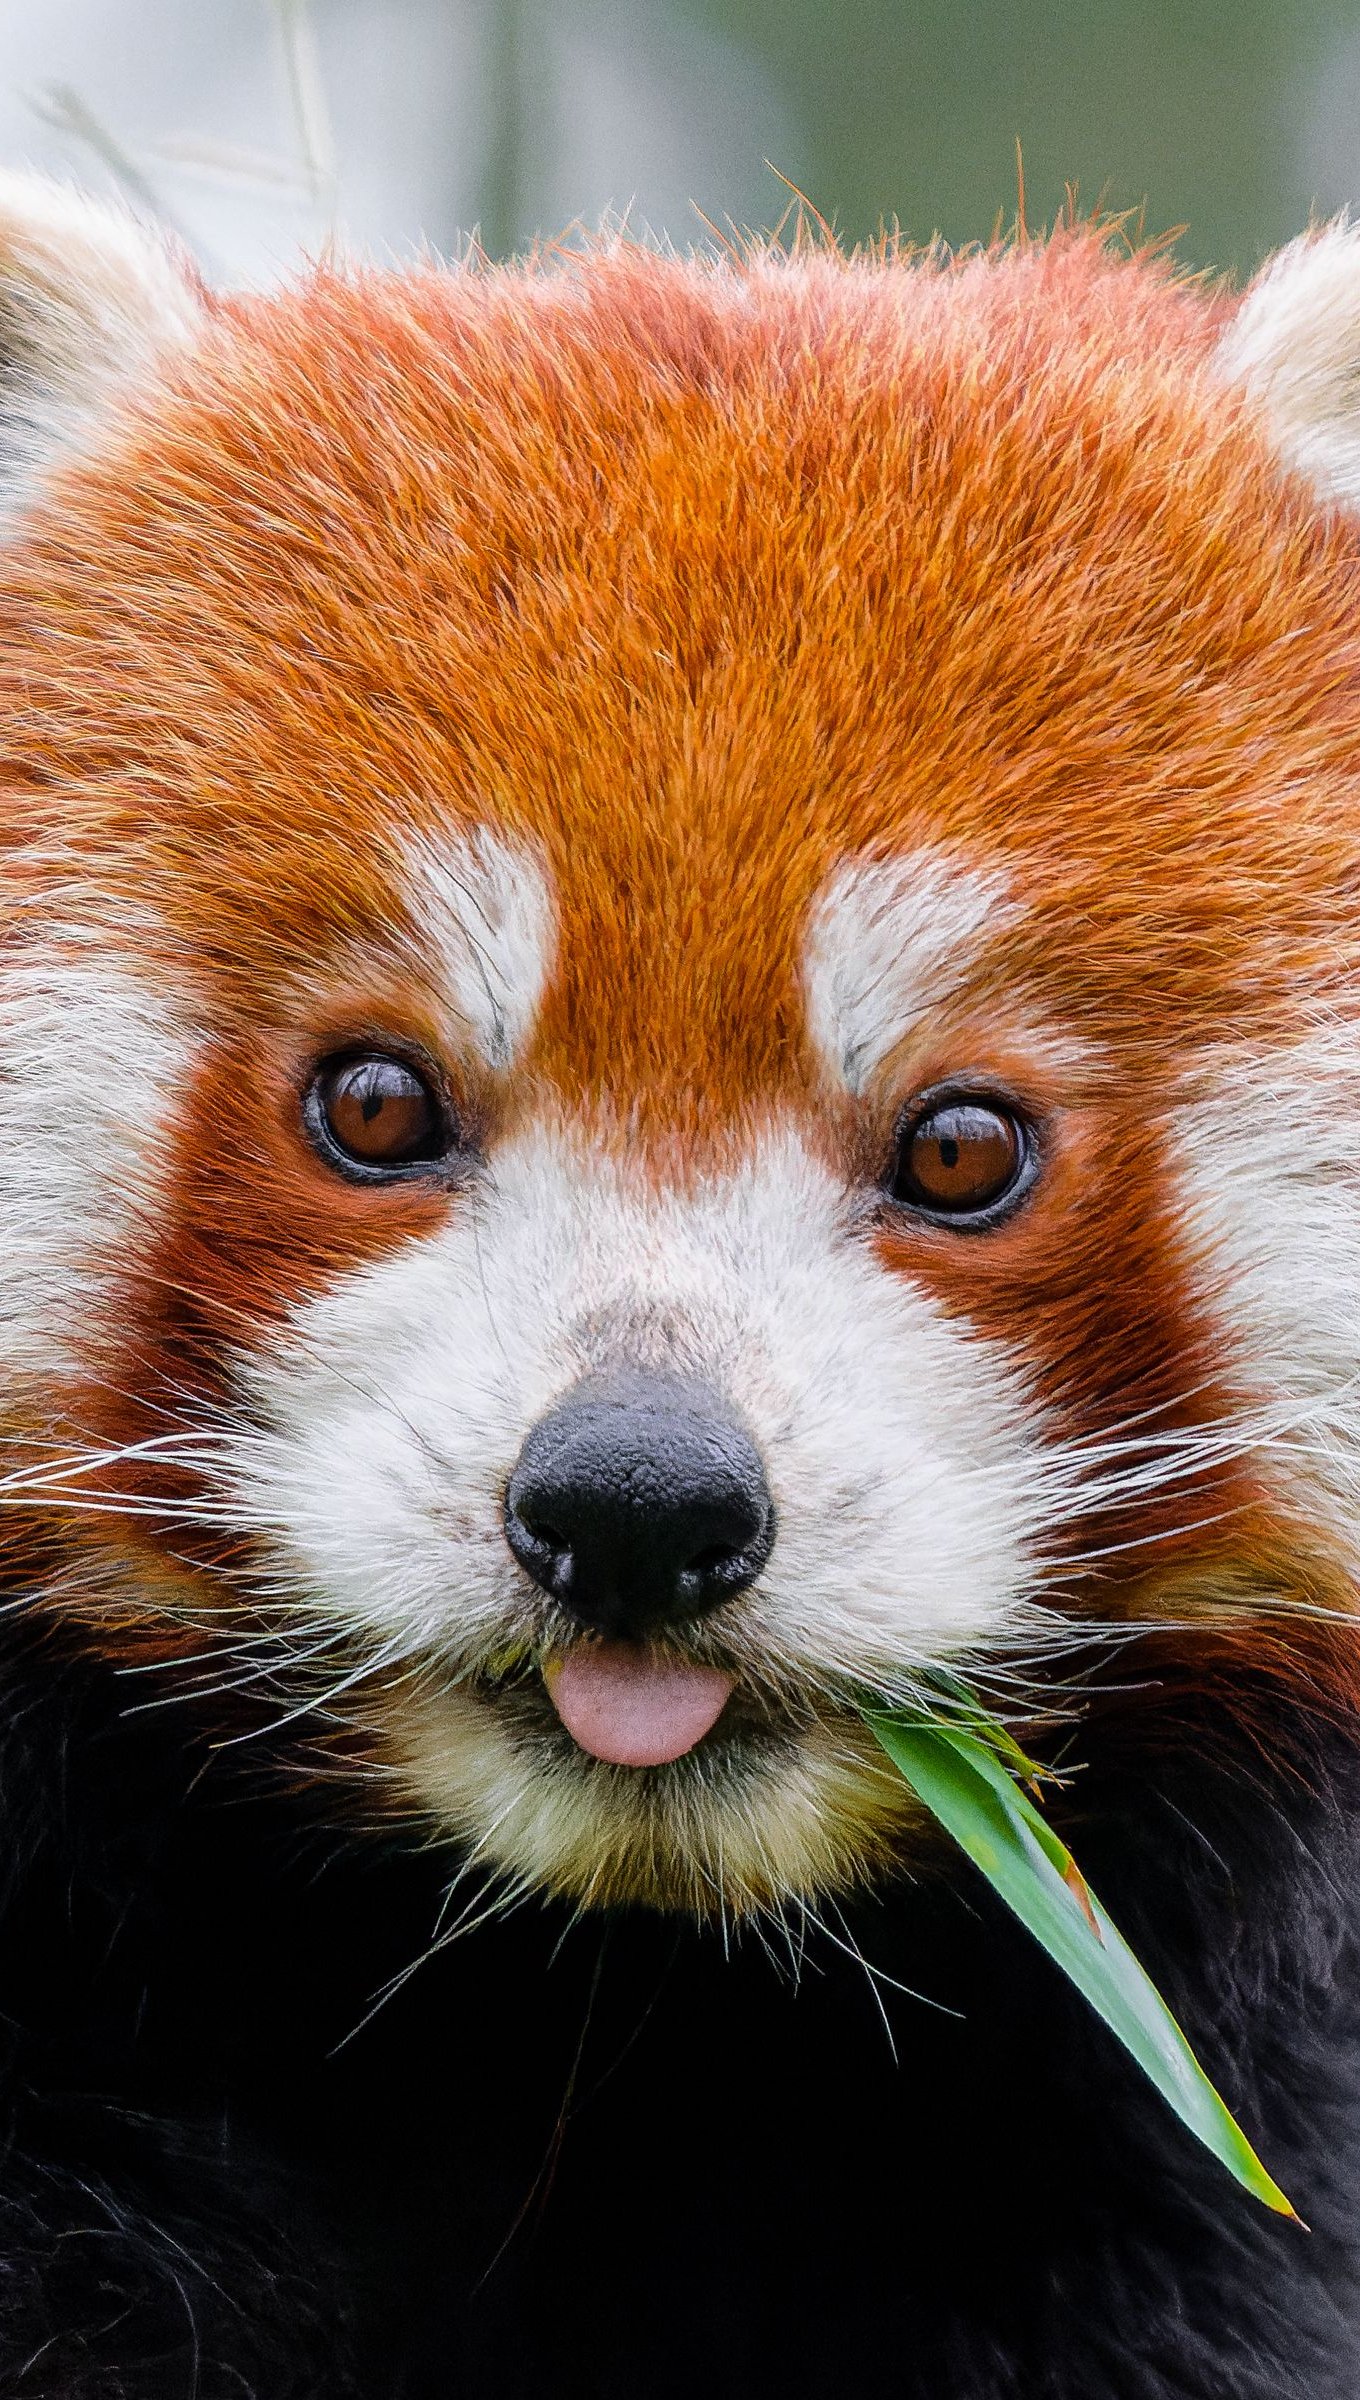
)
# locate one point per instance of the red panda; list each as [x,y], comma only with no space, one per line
[677,1043]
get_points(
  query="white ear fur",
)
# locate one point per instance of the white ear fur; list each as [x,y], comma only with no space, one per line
[1295,346]
[89,300]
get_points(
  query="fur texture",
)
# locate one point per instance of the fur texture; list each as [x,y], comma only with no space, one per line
[695,711]
[607,2156]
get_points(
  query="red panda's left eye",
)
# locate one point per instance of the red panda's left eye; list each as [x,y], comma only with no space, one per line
[377,1111]
[961,1157]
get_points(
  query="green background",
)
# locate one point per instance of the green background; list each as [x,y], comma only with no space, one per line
[260,129]
[1234,122]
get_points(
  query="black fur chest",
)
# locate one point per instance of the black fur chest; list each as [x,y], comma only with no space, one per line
[616,2157]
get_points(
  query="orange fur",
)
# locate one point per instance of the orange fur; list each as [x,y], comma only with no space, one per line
[699,578]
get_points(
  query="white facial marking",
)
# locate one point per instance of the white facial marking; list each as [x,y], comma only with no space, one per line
[1294,344]
[485,910]
[902,1452]
[89,1062]
[888,940]
[1269,1157]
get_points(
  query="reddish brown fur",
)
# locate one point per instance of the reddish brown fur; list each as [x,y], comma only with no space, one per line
[701,579]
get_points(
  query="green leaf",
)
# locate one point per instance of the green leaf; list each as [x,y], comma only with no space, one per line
[952,1764]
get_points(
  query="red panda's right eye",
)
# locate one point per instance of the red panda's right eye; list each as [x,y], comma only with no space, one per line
[378,1112]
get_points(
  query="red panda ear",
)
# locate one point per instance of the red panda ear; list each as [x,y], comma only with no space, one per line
[89,301]
[1294,343]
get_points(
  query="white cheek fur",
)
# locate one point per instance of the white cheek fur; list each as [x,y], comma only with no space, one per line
[90,1061]
[1269,1164]
[902,1453]
[905,1461]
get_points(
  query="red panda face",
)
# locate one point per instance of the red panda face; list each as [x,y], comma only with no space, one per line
[679,1029]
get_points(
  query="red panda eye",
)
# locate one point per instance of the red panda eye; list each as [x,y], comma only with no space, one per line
[377,1112]
[962,1158]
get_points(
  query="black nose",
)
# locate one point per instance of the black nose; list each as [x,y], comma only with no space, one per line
[639,1502]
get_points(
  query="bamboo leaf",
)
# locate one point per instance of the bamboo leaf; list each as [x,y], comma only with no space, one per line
[964,1766]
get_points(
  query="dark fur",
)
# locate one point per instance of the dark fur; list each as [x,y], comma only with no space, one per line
[619,2164]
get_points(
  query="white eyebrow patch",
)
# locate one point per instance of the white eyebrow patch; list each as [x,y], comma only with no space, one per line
[887,939]
[483,905]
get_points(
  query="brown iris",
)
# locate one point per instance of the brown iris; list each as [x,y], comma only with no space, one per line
[377,1111]
[960,1157]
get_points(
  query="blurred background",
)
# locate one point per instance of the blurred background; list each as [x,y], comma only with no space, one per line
[257,127]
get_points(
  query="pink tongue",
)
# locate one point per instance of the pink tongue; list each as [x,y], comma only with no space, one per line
[634,1711]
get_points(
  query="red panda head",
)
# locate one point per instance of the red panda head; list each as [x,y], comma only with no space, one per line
[679,1008]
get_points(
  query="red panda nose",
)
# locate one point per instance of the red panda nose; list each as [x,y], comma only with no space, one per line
[639,1503]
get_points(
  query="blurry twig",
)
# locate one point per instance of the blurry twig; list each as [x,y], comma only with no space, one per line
[59,105]
[307,95]
[229,163]
[311,177]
